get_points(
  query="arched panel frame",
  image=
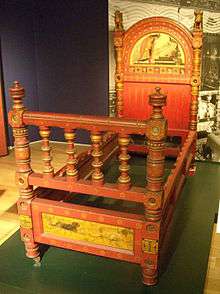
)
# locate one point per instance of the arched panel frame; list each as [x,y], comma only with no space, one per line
[146,73]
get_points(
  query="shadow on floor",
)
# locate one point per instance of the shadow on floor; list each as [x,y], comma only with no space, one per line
[13,209]
[1,192]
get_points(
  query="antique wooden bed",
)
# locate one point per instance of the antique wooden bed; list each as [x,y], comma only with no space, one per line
[48,210]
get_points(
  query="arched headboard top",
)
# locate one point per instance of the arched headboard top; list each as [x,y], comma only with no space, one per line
[159,47]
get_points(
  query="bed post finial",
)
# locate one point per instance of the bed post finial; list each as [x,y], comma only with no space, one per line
[198,23]
[17,94]
[118,21]
[157,100]
[119,77]
[156,136]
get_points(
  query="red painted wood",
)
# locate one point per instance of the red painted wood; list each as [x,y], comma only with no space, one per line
[88,122]
[136,194]
[185,157]
[136,105]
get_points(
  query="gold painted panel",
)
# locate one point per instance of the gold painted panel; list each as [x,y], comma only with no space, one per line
[88,231]
[150,246]
[25,221]
[157,49]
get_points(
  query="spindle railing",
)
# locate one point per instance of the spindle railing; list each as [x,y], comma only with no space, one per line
[97,126]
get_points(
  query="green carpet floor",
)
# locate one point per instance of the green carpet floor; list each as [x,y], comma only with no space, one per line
[67,272]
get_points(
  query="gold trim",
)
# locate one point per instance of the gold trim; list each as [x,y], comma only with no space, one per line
[25,221]
[150,246]
[88,231]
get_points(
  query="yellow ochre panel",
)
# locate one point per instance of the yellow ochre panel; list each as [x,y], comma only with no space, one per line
[157,48]
[88,231]
[25,221]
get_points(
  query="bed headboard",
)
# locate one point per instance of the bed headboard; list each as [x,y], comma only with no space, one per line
[160,52]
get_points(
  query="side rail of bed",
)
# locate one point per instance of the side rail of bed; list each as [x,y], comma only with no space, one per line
[176,180]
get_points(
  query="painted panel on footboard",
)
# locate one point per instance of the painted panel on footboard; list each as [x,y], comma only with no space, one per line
[96,231]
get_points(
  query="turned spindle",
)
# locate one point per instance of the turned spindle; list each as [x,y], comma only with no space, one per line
[97,175]
[124,180]
[71,170]
[46,149]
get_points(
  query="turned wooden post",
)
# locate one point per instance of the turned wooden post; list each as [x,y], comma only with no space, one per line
[119,80]
[196,77]
[97,175]
[71,170]
[47,158]
[23,170]
[156,135]
[124,180]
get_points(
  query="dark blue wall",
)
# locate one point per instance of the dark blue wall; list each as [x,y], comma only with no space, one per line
[72,58]
[18,52]
[59,52]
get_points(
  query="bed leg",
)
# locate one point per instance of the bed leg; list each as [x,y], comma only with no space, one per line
[32,248]
[150,252]
[32,251]
[192,170]
[37,261]
[150,275]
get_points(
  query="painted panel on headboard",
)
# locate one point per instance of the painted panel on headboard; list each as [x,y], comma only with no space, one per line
[158,52]
[157,49]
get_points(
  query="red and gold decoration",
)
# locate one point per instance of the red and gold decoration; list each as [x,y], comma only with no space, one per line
[47,215]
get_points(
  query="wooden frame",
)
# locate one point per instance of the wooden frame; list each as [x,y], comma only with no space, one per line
[46,218]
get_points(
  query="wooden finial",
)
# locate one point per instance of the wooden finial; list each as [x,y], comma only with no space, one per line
[157,100]
[118,21]
[198,23]
[17,93]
